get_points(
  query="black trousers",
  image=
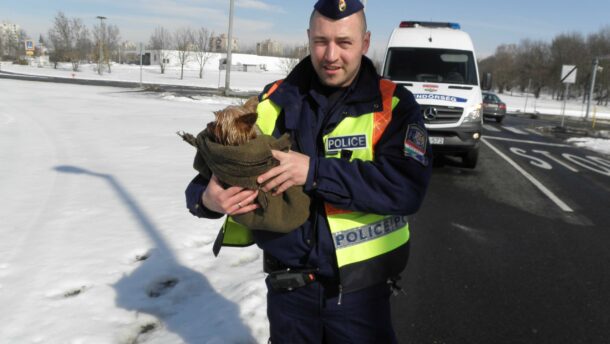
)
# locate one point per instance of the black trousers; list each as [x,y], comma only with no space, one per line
[311,314]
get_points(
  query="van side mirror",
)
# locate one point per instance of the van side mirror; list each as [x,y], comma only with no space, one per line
[487,82]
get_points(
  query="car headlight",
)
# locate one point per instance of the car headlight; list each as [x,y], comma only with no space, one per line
[474,115]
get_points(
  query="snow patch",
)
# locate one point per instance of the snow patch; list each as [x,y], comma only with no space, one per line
[596,144]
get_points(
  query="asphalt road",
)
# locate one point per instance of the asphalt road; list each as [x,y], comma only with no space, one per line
[511,252]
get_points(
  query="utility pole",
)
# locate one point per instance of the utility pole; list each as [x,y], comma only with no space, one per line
[593,75]
[527,94]
[229,47]
[102,33]
[141,57]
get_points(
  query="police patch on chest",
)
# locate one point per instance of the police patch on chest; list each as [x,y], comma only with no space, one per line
[353,142]
[415,144]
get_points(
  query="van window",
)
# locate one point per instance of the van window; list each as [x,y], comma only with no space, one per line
[431,65]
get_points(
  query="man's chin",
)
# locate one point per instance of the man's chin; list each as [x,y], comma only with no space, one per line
[331,82]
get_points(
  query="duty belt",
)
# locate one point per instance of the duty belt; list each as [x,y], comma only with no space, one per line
[282,277]
[289,279]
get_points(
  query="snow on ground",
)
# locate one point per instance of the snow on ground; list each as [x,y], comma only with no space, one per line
[212,77]
[97,245]
[598,145]
[546,105]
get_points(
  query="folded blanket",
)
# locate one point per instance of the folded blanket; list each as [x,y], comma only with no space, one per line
[240,166]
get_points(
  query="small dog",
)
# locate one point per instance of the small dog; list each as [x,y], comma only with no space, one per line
[234,125]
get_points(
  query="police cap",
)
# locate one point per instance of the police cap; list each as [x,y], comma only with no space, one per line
[337,9]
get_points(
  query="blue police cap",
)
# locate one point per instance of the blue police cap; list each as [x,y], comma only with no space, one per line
[337,9]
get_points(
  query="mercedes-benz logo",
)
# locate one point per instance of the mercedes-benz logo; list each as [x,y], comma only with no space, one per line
[430,113]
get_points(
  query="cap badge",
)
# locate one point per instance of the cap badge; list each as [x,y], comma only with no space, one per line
[342,5]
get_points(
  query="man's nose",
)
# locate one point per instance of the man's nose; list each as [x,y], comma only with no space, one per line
[330,55]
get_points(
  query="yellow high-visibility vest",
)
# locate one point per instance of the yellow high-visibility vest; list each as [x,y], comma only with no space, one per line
[366,245]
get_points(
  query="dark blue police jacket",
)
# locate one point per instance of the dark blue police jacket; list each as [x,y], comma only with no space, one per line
[392,184]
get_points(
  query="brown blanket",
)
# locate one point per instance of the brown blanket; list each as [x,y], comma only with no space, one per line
[240,166]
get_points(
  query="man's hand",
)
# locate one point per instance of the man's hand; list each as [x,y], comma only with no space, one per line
[291,171]
[232,201]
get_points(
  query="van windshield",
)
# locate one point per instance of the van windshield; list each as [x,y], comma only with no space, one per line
[431,65]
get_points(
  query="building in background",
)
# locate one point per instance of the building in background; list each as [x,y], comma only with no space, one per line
[218,44]
[269,48]
[300,51]
[9,36]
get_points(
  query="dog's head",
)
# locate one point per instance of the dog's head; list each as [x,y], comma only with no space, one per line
[234,125]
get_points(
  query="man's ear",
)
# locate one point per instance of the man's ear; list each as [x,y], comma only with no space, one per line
[366,43]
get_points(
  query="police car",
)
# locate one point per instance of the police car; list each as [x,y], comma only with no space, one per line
[437,63]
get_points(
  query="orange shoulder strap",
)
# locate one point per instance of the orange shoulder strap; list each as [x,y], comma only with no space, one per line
[272,89]
[383,117]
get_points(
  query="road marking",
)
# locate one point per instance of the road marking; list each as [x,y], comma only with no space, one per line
[491,128]
[582,162]
[550,156]
[533,160]
[531,178]
[515,130]
[532,131]
[527,141]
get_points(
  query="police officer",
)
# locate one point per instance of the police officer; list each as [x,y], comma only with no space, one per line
[361,153]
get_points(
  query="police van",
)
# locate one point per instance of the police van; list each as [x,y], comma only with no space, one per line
[437,63]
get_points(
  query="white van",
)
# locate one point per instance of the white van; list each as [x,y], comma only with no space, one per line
[437,63]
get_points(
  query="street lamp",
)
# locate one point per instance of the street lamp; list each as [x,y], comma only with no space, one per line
[99,67]
[593,74]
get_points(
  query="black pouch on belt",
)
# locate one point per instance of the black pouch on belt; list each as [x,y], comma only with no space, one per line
[289,280]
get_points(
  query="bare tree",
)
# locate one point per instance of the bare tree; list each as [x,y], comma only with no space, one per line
[82,45]
[534,61]
[184,45]
[505,77]
[569,49]
[160,41]
[109,37]
[59,37]
[599,45]
[17,47]
[70,40]
[202,51]
[287,64]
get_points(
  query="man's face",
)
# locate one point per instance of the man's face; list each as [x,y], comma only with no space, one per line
[337,47]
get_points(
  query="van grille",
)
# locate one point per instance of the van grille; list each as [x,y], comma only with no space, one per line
[441,114]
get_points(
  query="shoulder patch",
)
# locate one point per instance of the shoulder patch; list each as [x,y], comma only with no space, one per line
[415,144]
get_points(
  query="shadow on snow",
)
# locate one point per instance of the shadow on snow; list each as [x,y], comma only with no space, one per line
[181,298]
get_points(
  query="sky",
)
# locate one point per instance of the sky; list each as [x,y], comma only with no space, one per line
[489,23]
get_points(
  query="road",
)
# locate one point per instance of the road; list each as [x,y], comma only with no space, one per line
[515,251]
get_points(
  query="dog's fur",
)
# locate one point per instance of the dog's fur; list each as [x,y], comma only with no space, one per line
[234,125]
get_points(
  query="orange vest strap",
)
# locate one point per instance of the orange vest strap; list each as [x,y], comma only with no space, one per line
[383,117]
[272,89]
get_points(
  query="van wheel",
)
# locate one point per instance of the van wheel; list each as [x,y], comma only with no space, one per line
[470,158]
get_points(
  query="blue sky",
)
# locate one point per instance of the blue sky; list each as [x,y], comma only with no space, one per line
[490,23]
